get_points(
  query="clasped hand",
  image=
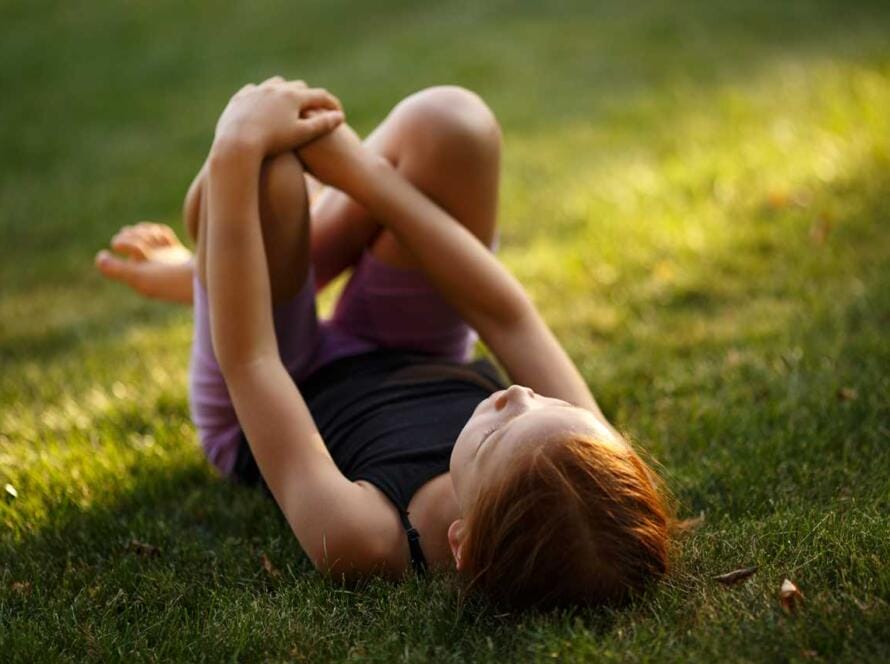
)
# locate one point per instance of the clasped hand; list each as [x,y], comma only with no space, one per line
[278,115]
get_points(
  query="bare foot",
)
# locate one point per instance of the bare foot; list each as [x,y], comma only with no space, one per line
[151,261]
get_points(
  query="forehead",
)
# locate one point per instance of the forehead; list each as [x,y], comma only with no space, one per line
[543,423]
[539,425]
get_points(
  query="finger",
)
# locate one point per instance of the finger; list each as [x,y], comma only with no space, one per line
[300,83]
[273,79]
[320,124]
[319,98]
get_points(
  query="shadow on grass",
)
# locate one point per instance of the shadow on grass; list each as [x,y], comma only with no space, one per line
[748,422]
[796,449]
[103,326]
[759,382]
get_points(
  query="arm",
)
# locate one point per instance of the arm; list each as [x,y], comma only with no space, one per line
[470,278]
[337,522]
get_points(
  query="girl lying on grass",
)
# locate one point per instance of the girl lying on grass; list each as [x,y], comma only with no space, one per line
[383,446]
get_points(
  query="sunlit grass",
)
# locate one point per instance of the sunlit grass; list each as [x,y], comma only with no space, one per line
[696,196]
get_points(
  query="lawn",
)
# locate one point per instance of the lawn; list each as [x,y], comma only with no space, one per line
[696,194]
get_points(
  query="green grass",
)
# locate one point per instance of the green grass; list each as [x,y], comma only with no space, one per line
[697,195]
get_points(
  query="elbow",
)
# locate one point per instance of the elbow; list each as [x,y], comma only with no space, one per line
[515,314]
[349,559]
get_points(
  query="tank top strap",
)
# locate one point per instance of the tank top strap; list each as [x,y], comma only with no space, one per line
[418,560]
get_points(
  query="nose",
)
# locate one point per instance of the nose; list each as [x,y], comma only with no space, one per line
[514,394]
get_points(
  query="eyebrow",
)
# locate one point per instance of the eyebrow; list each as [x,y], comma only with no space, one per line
[506,424]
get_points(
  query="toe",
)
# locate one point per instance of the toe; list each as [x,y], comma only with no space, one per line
[131,245]
[110,266]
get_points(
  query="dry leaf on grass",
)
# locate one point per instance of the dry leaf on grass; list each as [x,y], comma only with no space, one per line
[778,199]
[271,570]
[847,394]
[143,549]
[690,525]
[790,596]
[736,576]
[21,587]
[820,230]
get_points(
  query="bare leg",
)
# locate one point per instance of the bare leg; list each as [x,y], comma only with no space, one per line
[154,263]
[446,142]
[284,215]
[149,259]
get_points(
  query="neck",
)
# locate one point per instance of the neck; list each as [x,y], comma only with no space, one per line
[433,508]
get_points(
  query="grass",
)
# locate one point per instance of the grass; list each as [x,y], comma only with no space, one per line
[695,195]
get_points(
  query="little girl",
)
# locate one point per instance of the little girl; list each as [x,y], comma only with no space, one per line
[384,447]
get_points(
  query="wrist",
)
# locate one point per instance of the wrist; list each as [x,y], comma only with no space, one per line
[235,147]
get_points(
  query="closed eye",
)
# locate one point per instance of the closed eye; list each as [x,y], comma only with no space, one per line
[485,437]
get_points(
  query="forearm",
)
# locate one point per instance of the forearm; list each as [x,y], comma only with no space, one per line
[534,357]
[460,266]
[237,279]
[477,285]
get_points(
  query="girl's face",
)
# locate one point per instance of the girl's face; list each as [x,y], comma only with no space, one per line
[508,423]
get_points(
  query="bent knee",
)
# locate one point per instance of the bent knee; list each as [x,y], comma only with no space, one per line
[191,206]
[451,118]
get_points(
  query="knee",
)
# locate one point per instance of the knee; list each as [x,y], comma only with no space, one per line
[191,207]
[451,119]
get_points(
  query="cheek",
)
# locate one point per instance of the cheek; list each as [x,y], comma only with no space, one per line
[460,452]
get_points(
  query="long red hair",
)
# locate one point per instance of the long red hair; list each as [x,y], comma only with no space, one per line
[575,521]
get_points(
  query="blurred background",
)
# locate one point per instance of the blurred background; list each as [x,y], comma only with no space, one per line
[695,193]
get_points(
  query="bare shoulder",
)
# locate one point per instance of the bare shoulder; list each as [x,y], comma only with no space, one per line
[372,543]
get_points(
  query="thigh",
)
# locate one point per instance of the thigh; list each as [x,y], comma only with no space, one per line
[446,142]
[393,307]
[299,337]
[284,217]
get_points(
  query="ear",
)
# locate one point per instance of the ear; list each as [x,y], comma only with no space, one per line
[456,542]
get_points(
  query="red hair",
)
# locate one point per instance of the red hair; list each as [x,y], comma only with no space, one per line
[575,521]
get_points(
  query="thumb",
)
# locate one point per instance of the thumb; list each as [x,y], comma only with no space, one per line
[320,123]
